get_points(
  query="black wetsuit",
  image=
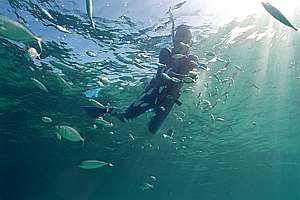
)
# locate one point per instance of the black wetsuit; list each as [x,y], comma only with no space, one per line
[161,94]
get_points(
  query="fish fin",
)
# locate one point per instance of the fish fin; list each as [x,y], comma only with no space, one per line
[95,112]
[156,121]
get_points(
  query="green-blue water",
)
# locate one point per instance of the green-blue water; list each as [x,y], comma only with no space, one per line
[253,153]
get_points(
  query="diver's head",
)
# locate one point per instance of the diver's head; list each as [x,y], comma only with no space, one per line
[182,39]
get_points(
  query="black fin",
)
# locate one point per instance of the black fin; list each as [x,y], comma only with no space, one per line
[154,124]
[95,112]
[157,120]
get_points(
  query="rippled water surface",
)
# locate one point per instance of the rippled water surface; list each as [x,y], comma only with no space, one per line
[245,145]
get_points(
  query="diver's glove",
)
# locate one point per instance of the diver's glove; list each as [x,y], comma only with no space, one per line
[193,74]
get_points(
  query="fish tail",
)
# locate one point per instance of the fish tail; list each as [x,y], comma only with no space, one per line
[296,29]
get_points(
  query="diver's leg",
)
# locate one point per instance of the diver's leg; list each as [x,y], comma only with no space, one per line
[161,114]
[144,103]
[134,110]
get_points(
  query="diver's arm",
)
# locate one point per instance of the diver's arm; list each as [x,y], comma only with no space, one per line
[164,59]
[195,64]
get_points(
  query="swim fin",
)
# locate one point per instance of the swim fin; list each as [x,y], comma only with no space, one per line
[160,116]
[95,112]
[155,123]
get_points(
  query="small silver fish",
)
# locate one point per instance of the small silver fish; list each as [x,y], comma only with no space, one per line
[153,178]
[217,77]
[62,29]
[39,85]
[91,54]
[47,13]
[131,137]
[93,164]
[220,119]
[96,103]
[225,80]
[145,186]
[207,102]
[209,53]
[220,59]
[47,120]
[63,82]
[179,5]
[206,84]
[238,67]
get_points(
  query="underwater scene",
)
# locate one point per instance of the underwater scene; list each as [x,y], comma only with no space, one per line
[140,100]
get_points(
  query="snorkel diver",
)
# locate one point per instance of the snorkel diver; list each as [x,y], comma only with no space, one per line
[176,67]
